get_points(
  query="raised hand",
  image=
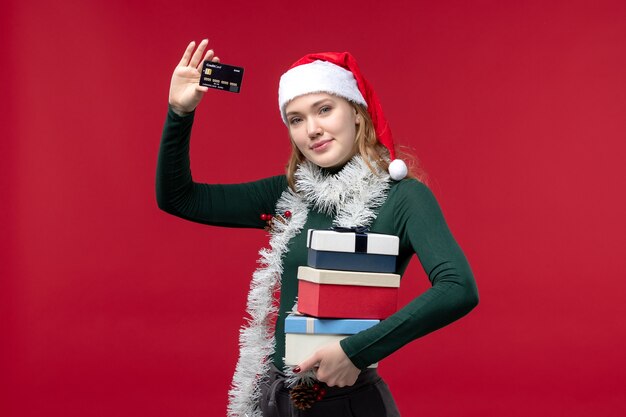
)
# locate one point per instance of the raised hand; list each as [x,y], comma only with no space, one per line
[185,92]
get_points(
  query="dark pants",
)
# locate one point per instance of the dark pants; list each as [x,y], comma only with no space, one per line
[368,397]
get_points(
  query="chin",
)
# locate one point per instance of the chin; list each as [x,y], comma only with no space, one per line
[329,161]
[327,164]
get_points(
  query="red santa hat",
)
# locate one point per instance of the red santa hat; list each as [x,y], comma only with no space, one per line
[338,73]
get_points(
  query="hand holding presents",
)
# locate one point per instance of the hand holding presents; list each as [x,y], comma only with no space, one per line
[335,368]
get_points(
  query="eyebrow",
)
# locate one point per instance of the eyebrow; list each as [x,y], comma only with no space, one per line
[317,103]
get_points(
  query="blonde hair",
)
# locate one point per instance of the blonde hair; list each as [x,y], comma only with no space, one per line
[367,146]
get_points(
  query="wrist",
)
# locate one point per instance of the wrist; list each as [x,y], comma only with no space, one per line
[343,345]
[180,112]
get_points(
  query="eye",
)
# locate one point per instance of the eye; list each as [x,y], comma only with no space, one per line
[294,120]
[325,109]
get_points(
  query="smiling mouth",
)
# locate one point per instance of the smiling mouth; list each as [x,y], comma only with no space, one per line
[319,144]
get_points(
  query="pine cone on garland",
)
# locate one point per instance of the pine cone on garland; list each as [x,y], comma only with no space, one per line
[304,395]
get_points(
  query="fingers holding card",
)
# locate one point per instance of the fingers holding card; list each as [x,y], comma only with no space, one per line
[221,76]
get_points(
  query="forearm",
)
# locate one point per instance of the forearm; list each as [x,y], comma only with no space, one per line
[452,296]
[174,183]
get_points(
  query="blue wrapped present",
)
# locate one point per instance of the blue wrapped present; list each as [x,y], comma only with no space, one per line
[295,323]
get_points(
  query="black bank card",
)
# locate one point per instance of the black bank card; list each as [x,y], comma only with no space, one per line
[221,76]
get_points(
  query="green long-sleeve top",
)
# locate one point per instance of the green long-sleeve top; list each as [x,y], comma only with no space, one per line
[410,212]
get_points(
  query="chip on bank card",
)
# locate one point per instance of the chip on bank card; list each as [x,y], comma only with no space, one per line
[221,76]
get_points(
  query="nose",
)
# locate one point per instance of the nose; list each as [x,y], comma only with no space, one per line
[313,128]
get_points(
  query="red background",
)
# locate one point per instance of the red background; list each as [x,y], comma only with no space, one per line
[517,110]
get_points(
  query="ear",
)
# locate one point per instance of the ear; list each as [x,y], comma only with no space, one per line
[357,119]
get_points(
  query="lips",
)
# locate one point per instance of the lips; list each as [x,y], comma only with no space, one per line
[318,145]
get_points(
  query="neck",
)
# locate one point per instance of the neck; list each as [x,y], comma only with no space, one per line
[333,170]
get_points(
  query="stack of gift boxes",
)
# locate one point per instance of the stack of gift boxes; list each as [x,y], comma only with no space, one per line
[348,286]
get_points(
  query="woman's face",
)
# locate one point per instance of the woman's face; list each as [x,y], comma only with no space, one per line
[323,127]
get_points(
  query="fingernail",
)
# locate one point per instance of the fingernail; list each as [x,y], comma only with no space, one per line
[296,369]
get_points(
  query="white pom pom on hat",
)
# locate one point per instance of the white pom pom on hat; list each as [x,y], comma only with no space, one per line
[338,73]
[398,169]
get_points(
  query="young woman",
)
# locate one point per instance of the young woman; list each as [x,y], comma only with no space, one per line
[342,172]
